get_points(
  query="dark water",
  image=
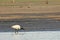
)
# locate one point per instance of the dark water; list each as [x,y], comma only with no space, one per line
[31,25]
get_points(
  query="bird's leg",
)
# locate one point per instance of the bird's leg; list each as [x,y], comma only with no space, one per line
[16,31]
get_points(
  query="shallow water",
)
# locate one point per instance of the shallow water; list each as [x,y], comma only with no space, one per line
[31,25]
[41,29]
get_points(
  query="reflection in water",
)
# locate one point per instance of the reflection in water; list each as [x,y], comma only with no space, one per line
[31,25]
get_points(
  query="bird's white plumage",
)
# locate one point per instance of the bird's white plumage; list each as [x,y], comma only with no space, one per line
[16,27]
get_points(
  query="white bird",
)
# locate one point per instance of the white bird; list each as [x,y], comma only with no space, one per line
[16,28]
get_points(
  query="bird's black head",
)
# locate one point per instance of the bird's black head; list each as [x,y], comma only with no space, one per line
[22,28]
